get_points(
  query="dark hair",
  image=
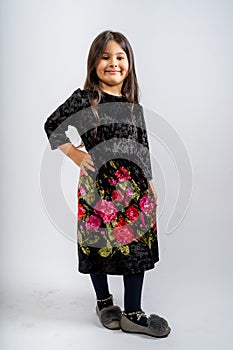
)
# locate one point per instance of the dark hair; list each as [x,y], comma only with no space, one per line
[130,87]
[130,84]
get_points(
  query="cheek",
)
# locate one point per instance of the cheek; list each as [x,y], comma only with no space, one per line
[125,66]
[99,67]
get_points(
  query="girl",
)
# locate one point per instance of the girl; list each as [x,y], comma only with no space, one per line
[116,224]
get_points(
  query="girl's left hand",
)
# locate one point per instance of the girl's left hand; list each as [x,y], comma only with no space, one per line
[153,189]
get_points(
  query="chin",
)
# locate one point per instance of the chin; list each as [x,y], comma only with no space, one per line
[114,82]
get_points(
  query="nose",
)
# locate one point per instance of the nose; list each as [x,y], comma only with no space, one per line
[113,62]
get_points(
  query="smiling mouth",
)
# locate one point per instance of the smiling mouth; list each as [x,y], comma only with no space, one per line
[112,71]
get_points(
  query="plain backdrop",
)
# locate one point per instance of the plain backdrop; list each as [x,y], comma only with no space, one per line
[183,52]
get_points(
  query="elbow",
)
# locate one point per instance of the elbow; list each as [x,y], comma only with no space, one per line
[48,127]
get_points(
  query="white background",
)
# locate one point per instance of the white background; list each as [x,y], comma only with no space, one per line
[184,55]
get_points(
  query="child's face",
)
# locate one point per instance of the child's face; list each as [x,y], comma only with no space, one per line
[113,66]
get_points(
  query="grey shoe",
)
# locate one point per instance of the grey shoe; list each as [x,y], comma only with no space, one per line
[156,325]
[110,316]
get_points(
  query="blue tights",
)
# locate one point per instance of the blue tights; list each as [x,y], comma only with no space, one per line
[132,289]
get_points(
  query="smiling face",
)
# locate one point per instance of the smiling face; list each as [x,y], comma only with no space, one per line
[112,68]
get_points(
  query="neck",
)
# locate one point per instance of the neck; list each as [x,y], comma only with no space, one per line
[113,90]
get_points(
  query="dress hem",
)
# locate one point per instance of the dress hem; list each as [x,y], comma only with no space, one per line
[118,273]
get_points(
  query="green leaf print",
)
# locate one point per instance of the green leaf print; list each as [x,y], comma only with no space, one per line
[93,240]
[137,192]
[101,194]
[79,236]
[124,249]
[104,252]
[90,197]
[113,164]
[142,237]
[85,250]
[110,235]
[123,185]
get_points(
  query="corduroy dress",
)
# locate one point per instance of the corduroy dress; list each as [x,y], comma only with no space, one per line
[116,214]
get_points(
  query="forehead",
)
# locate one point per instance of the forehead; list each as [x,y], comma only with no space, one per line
[113,47]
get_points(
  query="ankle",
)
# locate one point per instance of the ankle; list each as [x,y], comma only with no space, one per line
[138,317]
[105,302]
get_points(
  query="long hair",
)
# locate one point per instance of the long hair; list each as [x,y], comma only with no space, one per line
[130,88]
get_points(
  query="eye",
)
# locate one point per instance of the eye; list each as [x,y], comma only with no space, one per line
[104,57]
[120,58]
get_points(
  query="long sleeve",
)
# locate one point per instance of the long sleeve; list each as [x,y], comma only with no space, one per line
[143,139]
[57,123]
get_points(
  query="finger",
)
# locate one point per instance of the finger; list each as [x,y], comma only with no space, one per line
[89,162]
[90,167]
[84,170]
[88,157]
[84,165]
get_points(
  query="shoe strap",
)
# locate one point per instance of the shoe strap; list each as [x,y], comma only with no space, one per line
[139,314]
[108,298]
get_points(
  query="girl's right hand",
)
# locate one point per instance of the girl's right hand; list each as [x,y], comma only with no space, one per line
[79,157]
[86,163]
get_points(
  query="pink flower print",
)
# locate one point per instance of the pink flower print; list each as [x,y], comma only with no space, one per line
[127,201]
[147,204]
[122,174]
[129,192]
[123,234]
[112,181]
[142,219]
[117,196]
[82,190]
[106,210]
[93,223]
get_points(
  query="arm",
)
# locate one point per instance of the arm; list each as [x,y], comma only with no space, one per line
[57,123]
[79,157]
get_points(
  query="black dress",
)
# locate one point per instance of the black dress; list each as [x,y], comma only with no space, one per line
[116,219]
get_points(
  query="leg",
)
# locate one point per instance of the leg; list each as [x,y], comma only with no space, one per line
[132,297]
[133,291]
[100,284]
[108,313]
[134,318]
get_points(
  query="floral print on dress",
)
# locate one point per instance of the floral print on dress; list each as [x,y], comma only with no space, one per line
[116,212]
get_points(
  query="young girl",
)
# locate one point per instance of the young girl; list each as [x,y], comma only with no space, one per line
[116,227]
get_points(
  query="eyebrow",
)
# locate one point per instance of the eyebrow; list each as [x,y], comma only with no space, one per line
[116,53]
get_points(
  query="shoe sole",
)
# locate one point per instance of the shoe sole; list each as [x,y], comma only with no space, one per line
[151,335]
